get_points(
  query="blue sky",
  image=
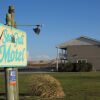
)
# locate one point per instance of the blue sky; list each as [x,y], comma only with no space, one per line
[62,20]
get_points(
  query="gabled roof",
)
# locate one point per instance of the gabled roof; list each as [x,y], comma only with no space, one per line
[83,40]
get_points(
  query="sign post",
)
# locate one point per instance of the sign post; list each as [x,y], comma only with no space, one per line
[11,87]
[13,54]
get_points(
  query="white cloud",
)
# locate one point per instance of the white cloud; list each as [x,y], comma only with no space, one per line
[42,57]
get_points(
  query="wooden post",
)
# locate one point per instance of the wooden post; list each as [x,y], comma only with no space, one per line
[11,89]
[57,60]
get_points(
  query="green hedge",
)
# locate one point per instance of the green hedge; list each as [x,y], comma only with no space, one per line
[75,67]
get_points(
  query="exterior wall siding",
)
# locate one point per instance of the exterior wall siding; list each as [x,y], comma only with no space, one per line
[89,52]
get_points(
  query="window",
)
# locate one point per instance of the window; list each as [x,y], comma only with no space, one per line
[82,61]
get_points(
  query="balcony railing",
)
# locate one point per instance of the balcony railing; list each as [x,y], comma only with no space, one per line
[62,56]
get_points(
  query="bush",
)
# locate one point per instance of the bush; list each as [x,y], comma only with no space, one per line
[69,67]
[45,86]
[61,67]
[82,67]
[75,67]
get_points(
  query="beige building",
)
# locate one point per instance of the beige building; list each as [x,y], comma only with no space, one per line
[80,49]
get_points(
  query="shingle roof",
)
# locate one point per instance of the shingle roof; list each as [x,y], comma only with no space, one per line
[83,40]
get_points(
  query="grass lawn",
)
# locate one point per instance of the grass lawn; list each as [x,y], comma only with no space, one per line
[77,86]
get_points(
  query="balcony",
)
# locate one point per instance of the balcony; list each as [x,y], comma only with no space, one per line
[63,56]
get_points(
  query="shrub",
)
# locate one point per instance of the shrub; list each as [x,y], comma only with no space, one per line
[69,67]
[45,86]
[82,67]
[75,67]
[61,67]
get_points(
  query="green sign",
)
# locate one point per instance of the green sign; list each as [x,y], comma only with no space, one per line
[13,51]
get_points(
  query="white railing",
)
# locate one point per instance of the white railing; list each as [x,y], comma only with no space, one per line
[62,56]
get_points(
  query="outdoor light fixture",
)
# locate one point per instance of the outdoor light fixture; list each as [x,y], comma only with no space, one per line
[37,29]
[10,21]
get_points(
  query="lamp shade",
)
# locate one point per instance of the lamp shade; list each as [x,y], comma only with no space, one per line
[36,30]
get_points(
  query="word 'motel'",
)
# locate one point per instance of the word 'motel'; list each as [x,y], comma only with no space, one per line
[9,54]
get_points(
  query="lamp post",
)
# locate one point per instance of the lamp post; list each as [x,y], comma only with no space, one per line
[12,91]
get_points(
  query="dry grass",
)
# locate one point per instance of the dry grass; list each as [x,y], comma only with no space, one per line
[45,86]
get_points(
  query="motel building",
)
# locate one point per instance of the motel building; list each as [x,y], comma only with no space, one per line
[78,50]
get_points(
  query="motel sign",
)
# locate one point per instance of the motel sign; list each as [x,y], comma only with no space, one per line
[13,51]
